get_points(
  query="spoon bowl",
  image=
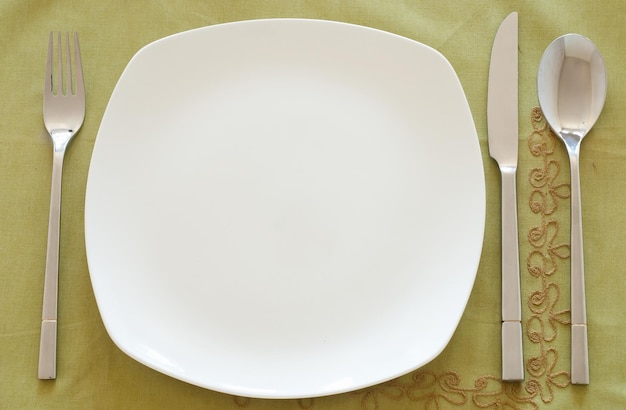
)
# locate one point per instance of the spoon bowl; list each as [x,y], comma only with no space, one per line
[571,86]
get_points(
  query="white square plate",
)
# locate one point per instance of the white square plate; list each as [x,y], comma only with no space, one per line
[285,208]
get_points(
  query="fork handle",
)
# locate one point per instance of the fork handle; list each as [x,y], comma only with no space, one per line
[48,341]
[48,350]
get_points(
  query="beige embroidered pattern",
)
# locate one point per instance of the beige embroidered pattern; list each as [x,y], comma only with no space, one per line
[544,321]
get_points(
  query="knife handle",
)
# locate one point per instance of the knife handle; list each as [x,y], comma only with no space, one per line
[512,352]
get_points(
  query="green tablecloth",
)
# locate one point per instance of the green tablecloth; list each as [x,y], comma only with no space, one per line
[94,374]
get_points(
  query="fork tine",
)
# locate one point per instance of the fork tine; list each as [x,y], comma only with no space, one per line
[68,78]
[48,82]
[80,85]
[68,71]
[58,80]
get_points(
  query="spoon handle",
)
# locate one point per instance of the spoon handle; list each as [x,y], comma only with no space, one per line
[580,352]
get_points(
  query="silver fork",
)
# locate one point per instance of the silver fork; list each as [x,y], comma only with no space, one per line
[63,115]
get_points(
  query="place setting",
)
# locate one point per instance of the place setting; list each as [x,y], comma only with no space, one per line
[301,210]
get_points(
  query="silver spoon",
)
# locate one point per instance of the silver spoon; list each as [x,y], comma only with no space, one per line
[571,85]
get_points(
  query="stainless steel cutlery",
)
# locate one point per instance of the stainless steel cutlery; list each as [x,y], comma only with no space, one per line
[63,115]
[503,147]
[571,85]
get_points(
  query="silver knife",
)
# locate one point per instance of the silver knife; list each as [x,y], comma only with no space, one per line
[502,125]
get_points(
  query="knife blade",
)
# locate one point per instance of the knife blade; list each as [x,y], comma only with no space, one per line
[502,123]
